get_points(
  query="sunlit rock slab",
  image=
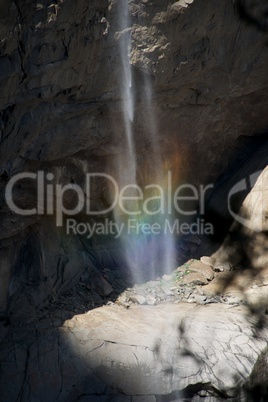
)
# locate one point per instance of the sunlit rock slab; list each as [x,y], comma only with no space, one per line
[159,350]
[146,353]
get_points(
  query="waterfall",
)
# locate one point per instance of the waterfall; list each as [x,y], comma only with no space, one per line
[126,89]
[144,253]
[165,253]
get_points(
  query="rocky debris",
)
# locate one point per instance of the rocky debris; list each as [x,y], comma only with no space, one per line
[190,282]
[232,299]
[151,301]
[207,261]
[164,353]
[222,266]
[244,286]
[167,278]
[216,264]
[194,278]
[178,5]
[108,287]
[196,282]
[200,299]
[182,284]
[202,269]
[139,299]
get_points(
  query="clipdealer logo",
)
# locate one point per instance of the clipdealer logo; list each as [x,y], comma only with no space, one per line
[140,205]
[131,199]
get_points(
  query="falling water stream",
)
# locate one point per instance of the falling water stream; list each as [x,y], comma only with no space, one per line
[145,255]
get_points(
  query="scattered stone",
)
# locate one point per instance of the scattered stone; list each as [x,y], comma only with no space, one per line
[220,285]
[167,278]
[200,299]
[217,265]
[162,296]
[187,294]
[139,299]
[213,299]
[180,273]
[151,301]
[232,300]
[191,300]
[203,269]
[123,298]
[199,290]
[167,291]
[152,284]
[194,278]
[222,266]
[180,269]
[207,261]
[186,283]
[180,290]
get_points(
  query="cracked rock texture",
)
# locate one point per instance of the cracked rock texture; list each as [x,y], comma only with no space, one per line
[163,353]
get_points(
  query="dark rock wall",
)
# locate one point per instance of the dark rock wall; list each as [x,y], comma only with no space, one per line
[62,112]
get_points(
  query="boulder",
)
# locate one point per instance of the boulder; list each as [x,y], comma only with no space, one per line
[203,269]
[194,278]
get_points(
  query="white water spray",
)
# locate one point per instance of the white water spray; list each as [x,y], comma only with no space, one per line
[144,254]
[167,253]
[126,87]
